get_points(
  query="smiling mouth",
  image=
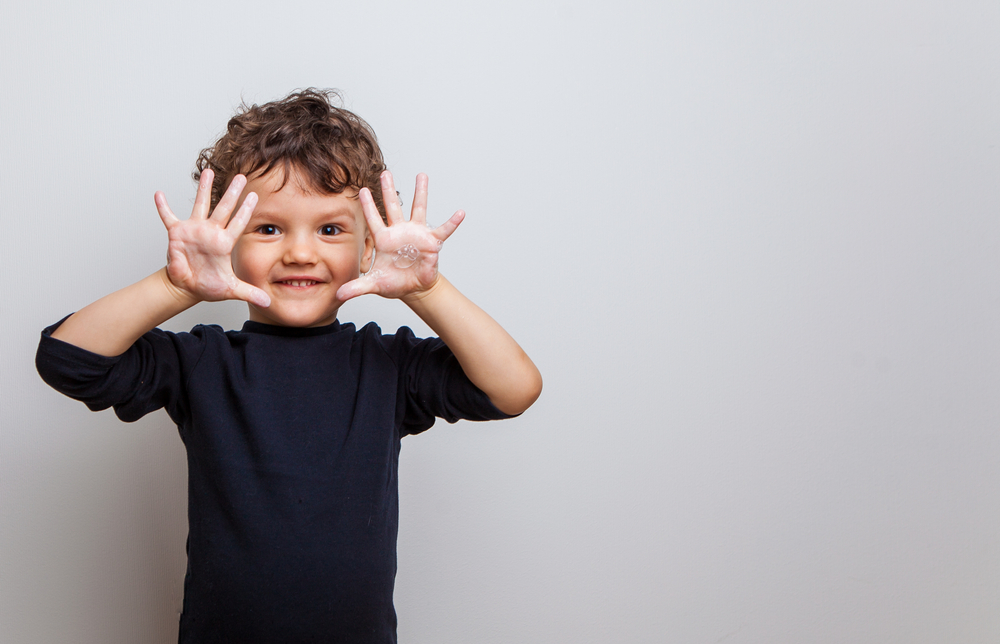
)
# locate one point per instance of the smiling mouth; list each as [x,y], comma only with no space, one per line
[298,282]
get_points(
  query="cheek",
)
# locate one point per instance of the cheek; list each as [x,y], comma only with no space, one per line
[349,264]
[350,258]
[245,263]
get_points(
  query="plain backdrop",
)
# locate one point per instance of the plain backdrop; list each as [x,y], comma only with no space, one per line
[752,247]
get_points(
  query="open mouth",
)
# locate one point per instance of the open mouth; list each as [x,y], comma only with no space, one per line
[298,282]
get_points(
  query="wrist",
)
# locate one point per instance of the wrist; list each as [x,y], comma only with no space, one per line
[181,296]
[417,297]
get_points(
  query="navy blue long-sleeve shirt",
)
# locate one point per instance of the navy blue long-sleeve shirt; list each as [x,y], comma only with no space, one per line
[292,438]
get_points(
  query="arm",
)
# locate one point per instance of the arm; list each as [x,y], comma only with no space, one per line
[491,359]
[113,323]
[198,268]
[406,268]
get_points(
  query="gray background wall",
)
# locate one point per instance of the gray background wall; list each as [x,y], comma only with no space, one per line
[752,247]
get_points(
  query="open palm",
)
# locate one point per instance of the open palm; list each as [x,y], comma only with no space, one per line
[406,252]
[199,252]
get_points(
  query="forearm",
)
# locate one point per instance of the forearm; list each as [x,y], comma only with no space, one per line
[491,359]
[113,323]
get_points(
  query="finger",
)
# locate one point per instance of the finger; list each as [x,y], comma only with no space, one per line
[239,222]
[252,294]
[203,199]
[392,210]
[228,201]
[419,211]
[356,287]
[445,230]
[368,207]
[166,215]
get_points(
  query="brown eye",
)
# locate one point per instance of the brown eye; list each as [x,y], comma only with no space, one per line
[267,229]
[329,229]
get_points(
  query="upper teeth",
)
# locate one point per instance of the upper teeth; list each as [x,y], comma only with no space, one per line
[300,282]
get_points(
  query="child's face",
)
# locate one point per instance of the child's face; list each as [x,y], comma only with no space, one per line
[299,247]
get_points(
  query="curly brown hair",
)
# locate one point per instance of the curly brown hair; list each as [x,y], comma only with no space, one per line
[331,148]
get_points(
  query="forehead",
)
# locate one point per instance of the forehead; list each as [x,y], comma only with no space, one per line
[295,197]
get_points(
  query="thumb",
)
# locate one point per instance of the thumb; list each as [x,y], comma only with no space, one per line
[251,294]
[358,286]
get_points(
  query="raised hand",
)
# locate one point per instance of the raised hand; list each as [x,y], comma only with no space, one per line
[199,251]
[406,252]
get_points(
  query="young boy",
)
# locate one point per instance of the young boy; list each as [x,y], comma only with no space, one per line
[292,425]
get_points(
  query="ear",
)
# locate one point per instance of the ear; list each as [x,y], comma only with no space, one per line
[368,254]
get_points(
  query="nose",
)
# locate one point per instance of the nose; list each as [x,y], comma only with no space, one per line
[299,250]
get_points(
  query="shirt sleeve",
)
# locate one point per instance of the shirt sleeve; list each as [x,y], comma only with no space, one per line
[145,378]
[433,385]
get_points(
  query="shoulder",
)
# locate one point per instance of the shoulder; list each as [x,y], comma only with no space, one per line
[188,343]
[400,345]
[199,333]
[205,330]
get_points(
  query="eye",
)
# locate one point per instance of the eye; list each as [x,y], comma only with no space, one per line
[267,229]
[329,229]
